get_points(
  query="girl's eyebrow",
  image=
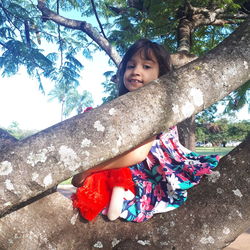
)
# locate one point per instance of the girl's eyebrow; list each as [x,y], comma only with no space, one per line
[131,61]
[150,61]
[147,58]
[143,59]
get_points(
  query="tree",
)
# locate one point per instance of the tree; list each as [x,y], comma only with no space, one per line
[110,87]
[222,131]
[217,132]
[109,121]
[215,214]
[70,149]
[30,164]
[70,99]
[17,132]
[238,131]
[77,101]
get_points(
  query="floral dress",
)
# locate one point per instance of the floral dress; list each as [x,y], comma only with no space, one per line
[162,179]
[159,183]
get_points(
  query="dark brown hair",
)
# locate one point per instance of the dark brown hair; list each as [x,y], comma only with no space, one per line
[146,47]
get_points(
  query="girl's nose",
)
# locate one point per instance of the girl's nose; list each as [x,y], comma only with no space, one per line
[136,70]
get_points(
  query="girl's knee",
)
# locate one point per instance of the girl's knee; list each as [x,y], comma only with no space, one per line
[116,203]
[113,215]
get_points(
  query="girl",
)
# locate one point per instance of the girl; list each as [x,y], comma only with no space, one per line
[153,177]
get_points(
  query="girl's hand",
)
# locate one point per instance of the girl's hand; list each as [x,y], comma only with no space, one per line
[78,179]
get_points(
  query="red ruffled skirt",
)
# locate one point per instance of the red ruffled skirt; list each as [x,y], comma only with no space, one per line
[95,194]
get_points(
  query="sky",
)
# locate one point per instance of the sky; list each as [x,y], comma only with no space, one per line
[21,100]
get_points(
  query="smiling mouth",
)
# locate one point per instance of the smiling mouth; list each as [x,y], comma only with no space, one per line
[135,81]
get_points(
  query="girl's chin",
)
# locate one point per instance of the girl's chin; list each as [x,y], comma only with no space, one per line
[132,87]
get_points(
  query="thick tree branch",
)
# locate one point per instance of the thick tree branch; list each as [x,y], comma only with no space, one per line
[236,16]
[6,139]
[193,17]
[216,212]
[190,18]
[80,25]
[40,162]
[184,33]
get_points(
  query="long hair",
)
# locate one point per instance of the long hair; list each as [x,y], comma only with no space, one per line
[146,47]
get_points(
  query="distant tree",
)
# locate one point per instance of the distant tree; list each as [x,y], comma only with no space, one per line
[15,130]
[58,93]
[201,135]
[222,131]
[76,101]
[238,131]
[110,87]
[70,100]
[202,119]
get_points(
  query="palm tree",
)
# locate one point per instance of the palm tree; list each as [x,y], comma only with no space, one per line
[60,94]
[76,101]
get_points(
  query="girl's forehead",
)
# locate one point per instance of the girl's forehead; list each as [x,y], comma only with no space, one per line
[145,54]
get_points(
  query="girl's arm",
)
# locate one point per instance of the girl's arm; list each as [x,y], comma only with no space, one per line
[126,159]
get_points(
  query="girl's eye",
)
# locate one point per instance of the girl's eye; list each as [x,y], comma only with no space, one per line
[130,66]
[146,66]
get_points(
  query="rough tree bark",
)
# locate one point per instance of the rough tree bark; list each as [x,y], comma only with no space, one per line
[6,139]
[40,162]
[202,223]
[187,127]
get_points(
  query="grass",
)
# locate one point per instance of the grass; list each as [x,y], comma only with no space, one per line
[213,150]
[200,150]
[66,182]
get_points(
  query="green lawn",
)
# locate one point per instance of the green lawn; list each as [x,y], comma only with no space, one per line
[213,150]
[66,182]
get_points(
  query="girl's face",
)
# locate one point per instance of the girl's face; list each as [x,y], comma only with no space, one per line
[140,71]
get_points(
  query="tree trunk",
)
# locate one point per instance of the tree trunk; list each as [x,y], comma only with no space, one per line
[186,128]
[40,162]
[185,30]
[184,39]
[186,131]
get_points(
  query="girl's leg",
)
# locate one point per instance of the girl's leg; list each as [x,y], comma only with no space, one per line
[116,203]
